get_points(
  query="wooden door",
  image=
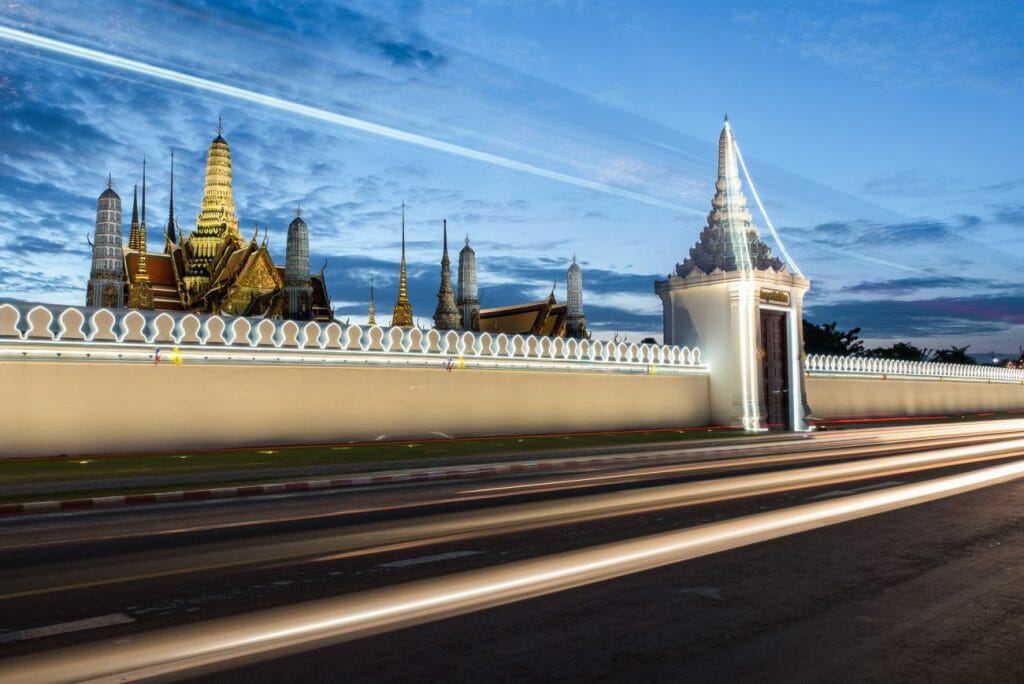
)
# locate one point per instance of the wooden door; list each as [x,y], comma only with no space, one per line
[775,369]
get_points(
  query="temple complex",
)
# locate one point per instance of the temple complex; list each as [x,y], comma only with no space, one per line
[212,269]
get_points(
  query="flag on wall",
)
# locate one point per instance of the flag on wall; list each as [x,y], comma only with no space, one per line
[176,357]
[157,358]
[462,364]
[449,364]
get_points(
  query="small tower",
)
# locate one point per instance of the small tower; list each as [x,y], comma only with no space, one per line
[373,307]
[106,279]
[742,307]
[469,301]
[140,292]
[446,315]
[575,321]
[297,286]
[402,316]
[171,236]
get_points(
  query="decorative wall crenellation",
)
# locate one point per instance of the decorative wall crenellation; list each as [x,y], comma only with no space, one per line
[40,323]
[817,364]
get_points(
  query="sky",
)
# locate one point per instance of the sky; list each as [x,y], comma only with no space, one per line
[883,137]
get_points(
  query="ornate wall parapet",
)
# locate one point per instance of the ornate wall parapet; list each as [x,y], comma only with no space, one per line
[820,365]
[50,332]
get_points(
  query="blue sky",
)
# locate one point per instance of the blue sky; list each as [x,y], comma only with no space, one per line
[884,138]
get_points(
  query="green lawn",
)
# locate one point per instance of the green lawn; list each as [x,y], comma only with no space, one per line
[120,466]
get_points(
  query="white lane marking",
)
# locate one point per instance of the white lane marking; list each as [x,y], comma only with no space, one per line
[67,627]
[428,559]
[844,492]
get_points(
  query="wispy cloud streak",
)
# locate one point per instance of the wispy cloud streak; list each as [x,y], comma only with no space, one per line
[203,84]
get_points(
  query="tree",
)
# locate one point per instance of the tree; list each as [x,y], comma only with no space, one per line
[825,339]
[903,351]
[954,355]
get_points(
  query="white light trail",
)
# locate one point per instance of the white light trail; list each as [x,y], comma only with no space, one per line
[757,198]
[263,634]
[113,61]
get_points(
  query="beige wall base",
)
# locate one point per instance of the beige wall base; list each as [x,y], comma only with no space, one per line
[839,397]
[49,408]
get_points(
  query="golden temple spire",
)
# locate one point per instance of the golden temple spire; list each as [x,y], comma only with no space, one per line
[140,292]
[133,233]
[402,317]
[143,273]
[171,236]
[373,309]
[217,213]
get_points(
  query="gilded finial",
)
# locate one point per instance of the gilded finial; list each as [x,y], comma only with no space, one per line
[110,182]
[467,239]
[726,118]
[220,125]
[298,212]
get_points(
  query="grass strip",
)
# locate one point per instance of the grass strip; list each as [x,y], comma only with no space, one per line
[89,468]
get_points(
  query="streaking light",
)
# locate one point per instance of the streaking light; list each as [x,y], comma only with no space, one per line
[771,227]
[169,75]
[264,634]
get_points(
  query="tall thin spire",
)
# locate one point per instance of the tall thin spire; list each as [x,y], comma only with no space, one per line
[446,315]
[373,307]
[142,224]
[402,316]
[140,292]
[142,272]
[172,237]
[133,233]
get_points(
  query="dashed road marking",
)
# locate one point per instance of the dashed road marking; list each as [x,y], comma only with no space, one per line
[67,627]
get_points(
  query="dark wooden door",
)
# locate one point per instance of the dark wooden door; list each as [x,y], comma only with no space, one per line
[775,369]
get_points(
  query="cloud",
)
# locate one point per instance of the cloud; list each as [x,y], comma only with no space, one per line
[871,234]
[935,317]
[907,182]
[1010,215]
[404,54]
[907,286]
[954,45]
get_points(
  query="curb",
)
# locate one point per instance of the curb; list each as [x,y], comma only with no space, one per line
[105,502]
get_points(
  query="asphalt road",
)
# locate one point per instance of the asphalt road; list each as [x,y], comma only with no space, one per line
[928,589]
[930,593]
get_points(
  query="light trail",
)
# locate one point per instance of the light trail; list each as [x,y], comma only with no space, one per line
[171,76]
[771,227]
[380,537]
[176,520]
[265,634]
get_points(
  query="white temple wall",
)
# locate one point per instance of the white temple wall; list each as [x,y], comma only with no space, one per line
[701,318]
[66,407]
[836,397]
